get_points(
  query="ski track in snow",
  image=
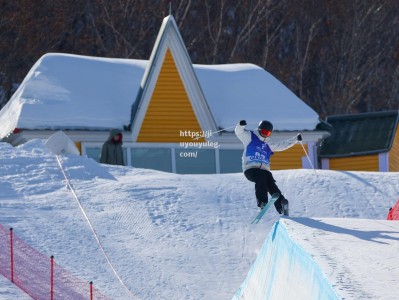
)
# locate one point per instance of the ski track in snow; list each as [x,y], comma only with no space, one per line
[168,236]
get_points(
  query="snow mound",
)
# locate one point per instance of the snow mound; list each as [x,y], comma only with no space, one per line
[172,236]
[325,259]
[284,271]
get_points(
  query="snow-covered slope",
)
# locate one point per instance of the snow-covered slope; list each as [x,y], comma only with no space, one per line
[325,259]
[173,236]
[358,256]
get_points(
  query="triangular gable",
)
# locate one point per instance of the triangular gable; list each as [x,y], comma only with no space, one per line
[171,102]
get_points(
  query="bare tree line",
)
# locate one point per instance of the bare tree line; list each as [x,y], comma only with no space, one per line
[340,57]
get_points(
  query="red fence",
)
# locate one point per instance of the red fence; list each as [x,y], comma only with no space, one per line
[393,213]
[38,275]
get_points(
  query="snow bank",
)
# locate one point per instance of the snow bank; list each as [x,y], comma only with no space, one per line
[321,258]
[189,237]
[358,256]
[283,270]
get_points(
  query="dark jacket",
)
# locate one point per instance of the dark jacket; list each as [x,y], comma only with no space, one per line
[111,152]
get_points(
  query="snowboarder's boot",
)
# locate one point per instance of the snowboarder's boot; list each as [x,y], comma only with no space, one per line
[285,207]
[282,206]
[262,205]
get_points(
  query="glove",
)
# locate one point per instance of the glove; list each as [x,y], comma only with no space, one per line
[299,137]
[243,122]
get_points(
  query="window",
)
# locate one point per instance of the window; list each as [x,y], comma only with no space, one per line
[152,158]
[187,161]
[230,161]
[195,161]
[95,153]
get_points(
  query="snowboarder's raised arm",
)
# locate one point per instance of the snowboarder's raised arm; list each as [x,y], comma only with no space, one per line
[243,135]
[284,145]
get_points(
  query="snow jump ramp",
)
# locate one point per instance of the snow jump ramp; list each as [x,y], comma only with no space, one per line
[325,259]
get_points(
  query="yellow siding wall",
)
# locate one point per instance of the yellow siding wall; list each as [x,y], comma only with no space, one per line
[355,163]
[394,154]
[288,159]
[79,146]
[169,111]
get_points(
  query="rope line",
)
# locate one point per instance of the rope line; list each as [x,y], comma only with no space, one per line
[92,229]
[304,150]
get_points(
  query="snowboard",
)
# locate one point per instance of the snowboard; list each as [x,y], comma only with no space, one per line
[273,199]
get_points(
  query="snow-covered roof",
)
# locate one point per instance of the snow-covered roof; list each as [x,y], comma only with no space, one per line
[246,91]
[64,91]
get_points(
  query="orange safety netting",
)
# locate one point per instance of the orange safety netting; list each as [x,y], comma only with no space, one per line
[394,212]
[37,274]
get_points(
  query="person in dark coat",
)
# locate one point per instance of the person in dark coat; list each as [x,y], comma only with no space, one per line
[111,152]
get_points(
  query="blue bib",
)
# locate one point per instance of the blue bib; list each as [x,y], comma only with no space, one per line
[258,151]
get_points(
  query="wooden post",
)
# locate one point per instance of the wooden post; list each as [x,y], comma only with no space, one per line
[12,255]
[52,277]
[91,290]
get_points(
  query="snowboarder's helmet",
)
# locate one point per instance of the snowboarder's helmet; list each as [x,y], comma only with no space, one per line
[265,128]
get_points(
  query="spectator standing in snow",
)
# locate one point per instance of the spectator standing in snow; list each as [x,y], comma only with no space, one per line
[258,148]
[111,152]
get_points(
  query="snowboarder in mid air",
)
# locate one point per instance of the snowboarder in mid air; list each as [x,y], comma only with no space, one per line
[258,148]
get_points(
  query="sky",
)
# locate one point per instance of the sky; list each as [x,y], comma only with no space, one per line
[172,236]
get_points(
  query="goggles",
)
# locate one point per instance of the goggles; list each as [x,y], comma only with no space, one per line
[265,132]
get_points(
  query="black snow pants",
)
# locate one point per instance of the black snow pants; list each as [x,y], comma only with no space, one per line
[264,183]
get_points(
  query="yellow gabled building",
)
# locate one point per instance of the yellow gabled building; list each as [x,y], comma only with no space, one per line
[174,99]
[176,116]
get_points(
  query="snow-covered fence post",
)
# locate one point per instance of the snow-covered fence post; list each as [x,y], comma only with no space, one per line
[52,277]
[11,256]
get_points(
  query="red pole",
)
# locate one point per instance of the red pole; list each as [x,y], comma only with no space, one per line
[91,290]
[52,278]
[12,256]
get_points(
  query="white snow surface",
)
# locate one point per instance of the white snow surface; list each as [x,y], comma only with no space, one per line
[65,91]
[371,246]
[172,236]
